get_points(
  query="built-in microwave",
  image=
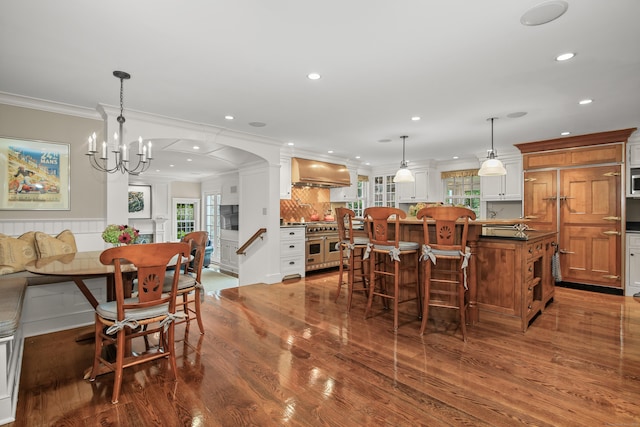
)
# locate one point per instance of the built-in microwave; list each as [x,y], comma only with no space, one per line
[635,182]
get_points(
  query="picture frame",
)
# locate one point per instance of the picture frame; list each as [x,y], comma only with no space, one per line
[36,175]
[139,201]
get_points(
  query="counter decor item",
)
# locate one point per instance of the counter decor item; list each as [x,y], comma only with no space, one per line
[413,209]
[120,234]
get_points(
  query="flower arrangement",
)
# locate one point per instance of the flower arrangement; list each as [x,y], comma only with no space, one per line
[120,234]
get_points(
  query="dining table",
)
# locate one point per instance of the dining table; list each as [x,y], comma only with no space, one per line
[79,266]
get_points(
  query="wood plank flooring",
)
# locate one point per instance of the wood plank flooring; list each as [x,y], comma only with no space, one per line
[287,355]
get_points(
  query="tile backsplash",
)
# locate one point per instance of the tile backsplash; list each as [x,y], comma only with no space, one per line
[305,201]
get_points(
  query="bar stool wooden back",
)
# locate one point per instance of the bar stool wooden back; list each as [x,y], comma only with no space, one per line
[392,262]
[352,249]
[445,244]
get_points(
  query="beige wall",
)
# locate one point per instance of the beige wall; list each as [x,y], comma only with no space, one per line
[185,190]
[87,198]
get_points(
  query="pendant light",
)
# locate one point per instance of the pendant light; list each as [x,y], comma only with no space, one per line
[492,166]
[403,174]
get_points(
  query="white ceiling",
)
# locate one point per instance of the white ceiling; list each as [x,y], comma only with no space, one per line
[454,63]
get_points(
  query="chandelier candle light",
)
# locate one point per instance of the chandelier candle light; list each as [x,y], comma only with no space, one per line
[403,174]
[120,151]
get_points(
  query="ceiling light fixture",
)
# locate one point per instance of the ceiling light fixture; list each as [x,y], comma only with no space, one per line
[565,56]
[313,76]
[403,174]
[585,101]
[120,151]
[492,166]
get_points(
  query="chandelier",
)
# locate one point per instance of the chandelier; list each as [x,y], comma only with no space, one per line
[403,174]
[120,151]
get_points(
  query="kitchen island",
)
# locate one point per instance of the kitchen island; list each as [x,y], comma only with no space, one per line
[510,268]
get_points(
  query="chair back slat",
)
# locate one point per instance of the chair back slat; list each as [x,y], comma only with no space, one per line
[447,235]
[379,223]
[345,224]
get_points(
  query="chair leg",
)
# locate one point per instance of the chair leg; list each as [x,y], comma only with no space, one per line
[372,282]
[396,289]
[171,349]
[461,308]
[98,349]
[340,276]
[117,382]
[198,312]
[425,297]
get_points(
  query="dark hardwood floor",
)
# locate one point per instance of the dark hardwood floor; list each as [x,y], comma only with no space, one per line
[286,354]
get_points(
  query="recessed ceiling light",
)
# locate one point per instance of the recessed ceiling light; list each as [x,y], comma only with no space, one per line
[257,124]
[565,133]
[456,157]
[544,13]
[229,117]
[368,164]
[330,151]
[357,157]
[313,76]
[415,118]
[196,147]
[585,101]
[565,56]
[171,166]
[290,144]
[189,160]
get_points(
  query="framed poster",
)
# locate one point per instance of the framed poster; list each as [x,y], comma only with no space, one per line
[140,201]
[35,175]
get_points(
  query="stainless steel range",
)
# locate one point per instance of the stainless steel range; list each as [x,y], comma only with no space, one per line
[321,245]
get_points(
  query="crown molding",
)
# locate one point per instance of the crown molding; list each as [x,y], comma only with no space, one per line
[48,106]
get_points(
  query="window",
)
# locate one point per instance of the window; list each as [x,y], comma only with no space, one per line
[360,203]
[185,212]
[462,188]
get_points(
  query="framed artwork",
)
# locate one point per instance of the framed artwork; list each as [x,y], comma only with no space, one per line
[140,201]
[145,238]
[35,175]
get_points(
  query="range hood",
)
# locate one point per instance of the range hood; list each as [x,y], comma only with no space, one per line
[312,173]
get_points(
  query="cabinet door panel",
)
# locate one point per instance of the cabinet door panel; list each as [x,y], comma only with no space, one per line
[588,255]
[588,195]
[540,199]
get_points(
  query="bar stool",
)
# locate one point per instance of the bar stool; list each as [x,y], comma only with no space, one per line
[450,246]
[352,249]
[382,221]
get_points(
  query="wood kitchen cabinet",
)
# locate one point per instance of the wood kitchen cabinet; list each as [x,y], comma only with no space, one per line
[514,276]
[577,192]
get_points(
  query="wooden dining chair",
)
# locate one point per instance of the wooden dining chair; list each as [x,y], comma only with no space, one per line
[190,289]
[352,249]
[150,312]
[445,256]
[390,263]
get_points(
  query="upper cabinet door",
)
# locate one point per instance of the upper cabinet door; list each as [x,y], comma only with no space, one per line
[413,192]
[346,194]
[507,187]
[285,178]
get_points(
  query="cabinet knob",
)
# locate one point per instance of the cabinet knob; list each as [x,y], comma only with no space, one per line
[292,246]
[291,262]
